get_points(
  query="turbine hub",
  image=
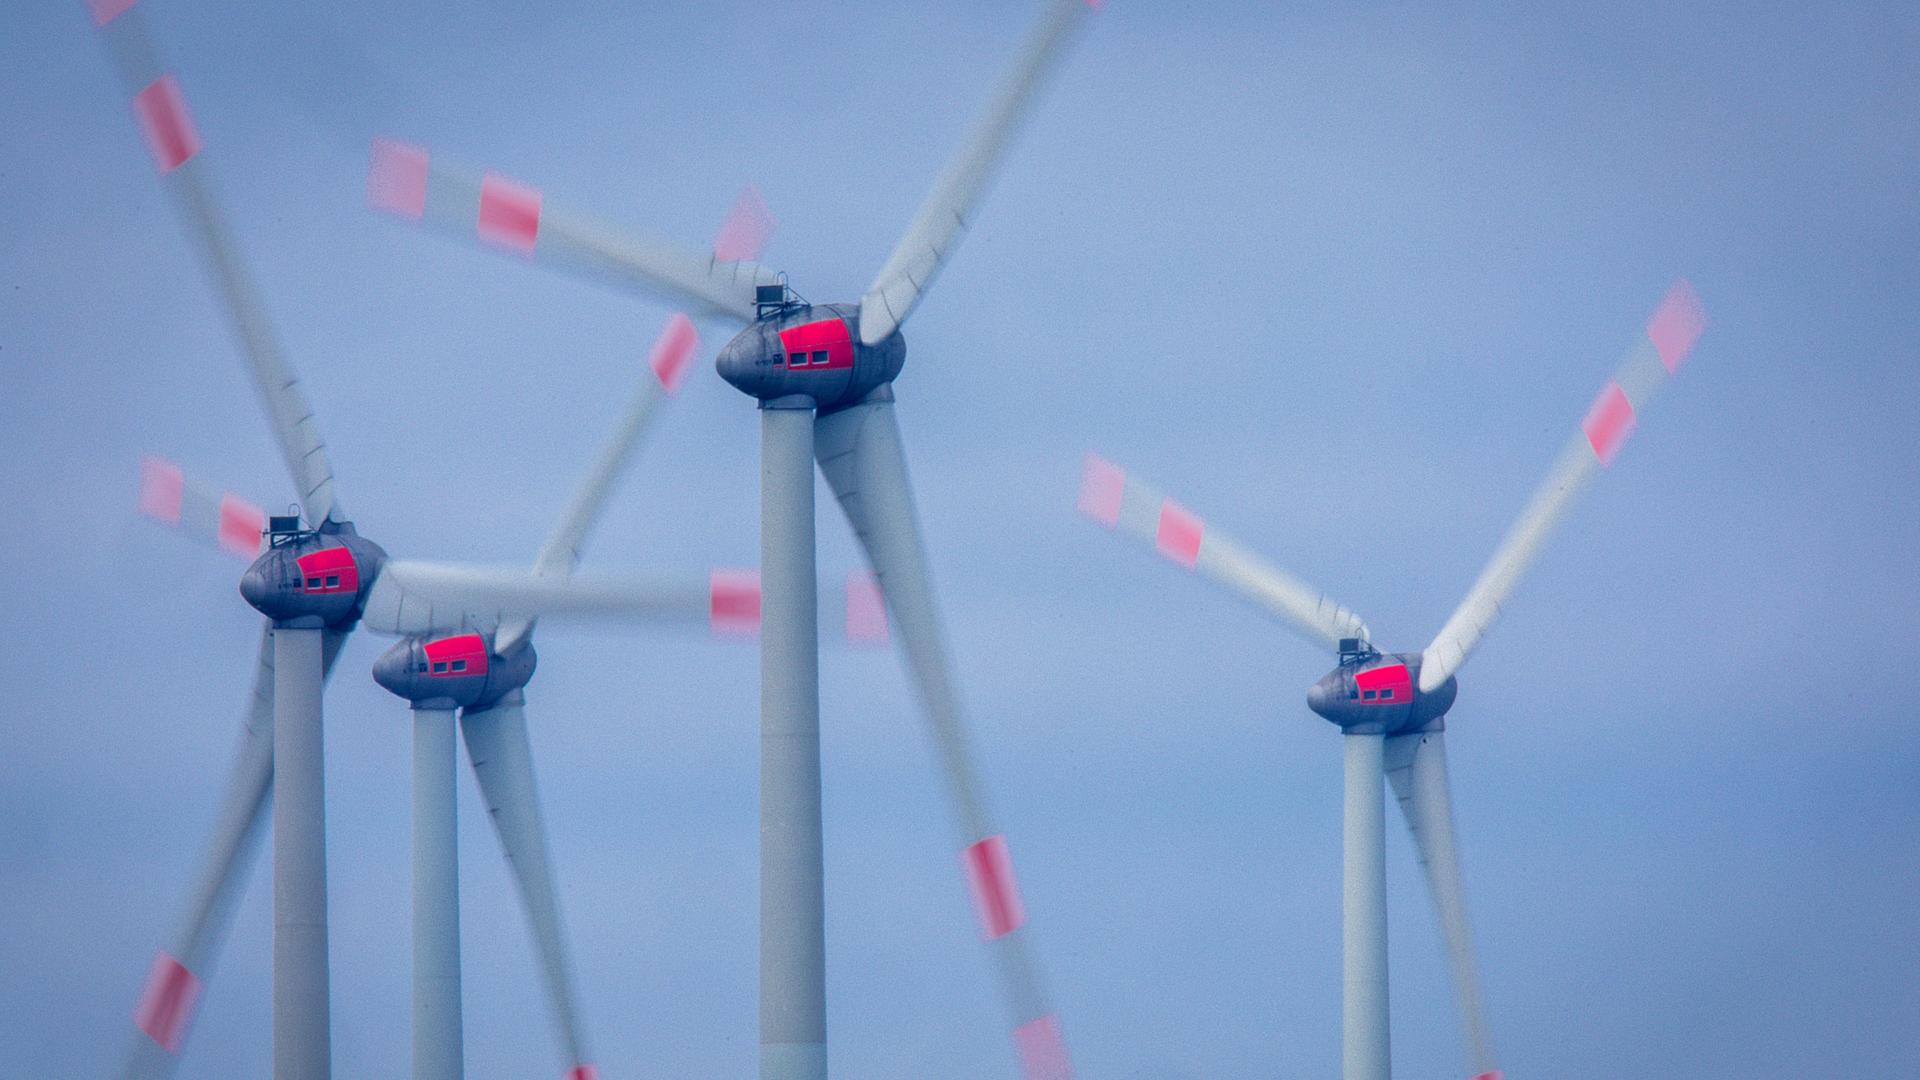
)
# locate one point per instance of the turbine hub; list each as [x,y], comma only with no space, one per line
[458,671]
[796,349]
[312,577]
[1374,694]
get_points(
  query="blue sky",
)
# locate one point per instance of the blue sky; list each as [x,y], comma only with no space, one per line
[1340,279]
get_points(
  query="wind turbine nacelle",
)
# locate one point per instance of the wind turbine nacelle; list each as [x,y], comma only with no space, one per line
[1377,694]
[312,578]
[459,671]
[810,351]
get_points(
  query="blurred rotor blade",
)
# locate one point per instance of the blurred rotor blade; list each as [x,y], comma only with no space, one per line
[1113,497]
[749,225]
[1669,337]
[406,181]
[165,1011]
[860,453]
[416,597]
[936,230]
[557,559]
[866,609]
[175,143]
[1416,764]
[206,515]
[502,758]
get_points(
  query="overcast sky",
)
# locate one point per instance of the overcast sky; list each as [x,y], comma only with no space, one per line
[1341,280]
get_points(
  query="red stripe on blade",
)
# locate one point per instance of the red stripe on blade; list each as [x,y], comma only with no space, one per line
[734,607]
[241,524]
[1608,423]
[748,226]
[672,349]
[583,1072]
[105,11]
[397,178]
[1043,1053]
[1676,325]
[1102,485]
[509,213]
[1178,535]
[866,609]
[996,898]
[166,1005]
[1494,1075]
[164,119]
[161,486]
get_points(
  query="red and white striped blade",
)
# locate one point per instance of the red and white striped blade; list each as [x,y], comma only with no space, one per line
[160,107]
[733,605]
[406,180]
[667,364]
[866,610]
[861,456]
[213,517]
[167,1001]
[743,236]
[163,1014]
[1665,344]
[1121,501]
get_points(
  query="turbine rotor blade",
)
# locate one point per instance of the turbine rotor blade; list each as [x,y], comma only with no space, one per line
[405,180]
[164,1015]
[502,758]
[1669,337]
[561,554]
[175,143]
[860,454]
[1416,765]
[412,597]
[937,229]
[1119,500]
[203,514]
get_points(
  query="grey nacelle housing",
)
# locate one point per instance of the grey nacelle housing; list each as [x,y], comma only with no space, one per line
[314,579]
[757,360]
[1381,695]
[459,671]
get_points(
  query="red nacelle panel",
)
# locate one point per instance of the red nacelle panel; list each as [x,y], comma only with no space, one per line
[456,657]
[818,346]
[329,570]
[1386,685]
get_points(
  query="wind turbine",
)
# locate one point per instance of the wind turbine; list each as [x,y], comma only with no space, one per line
[315,584]
[483,673]
[823,375]
[1391,708]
